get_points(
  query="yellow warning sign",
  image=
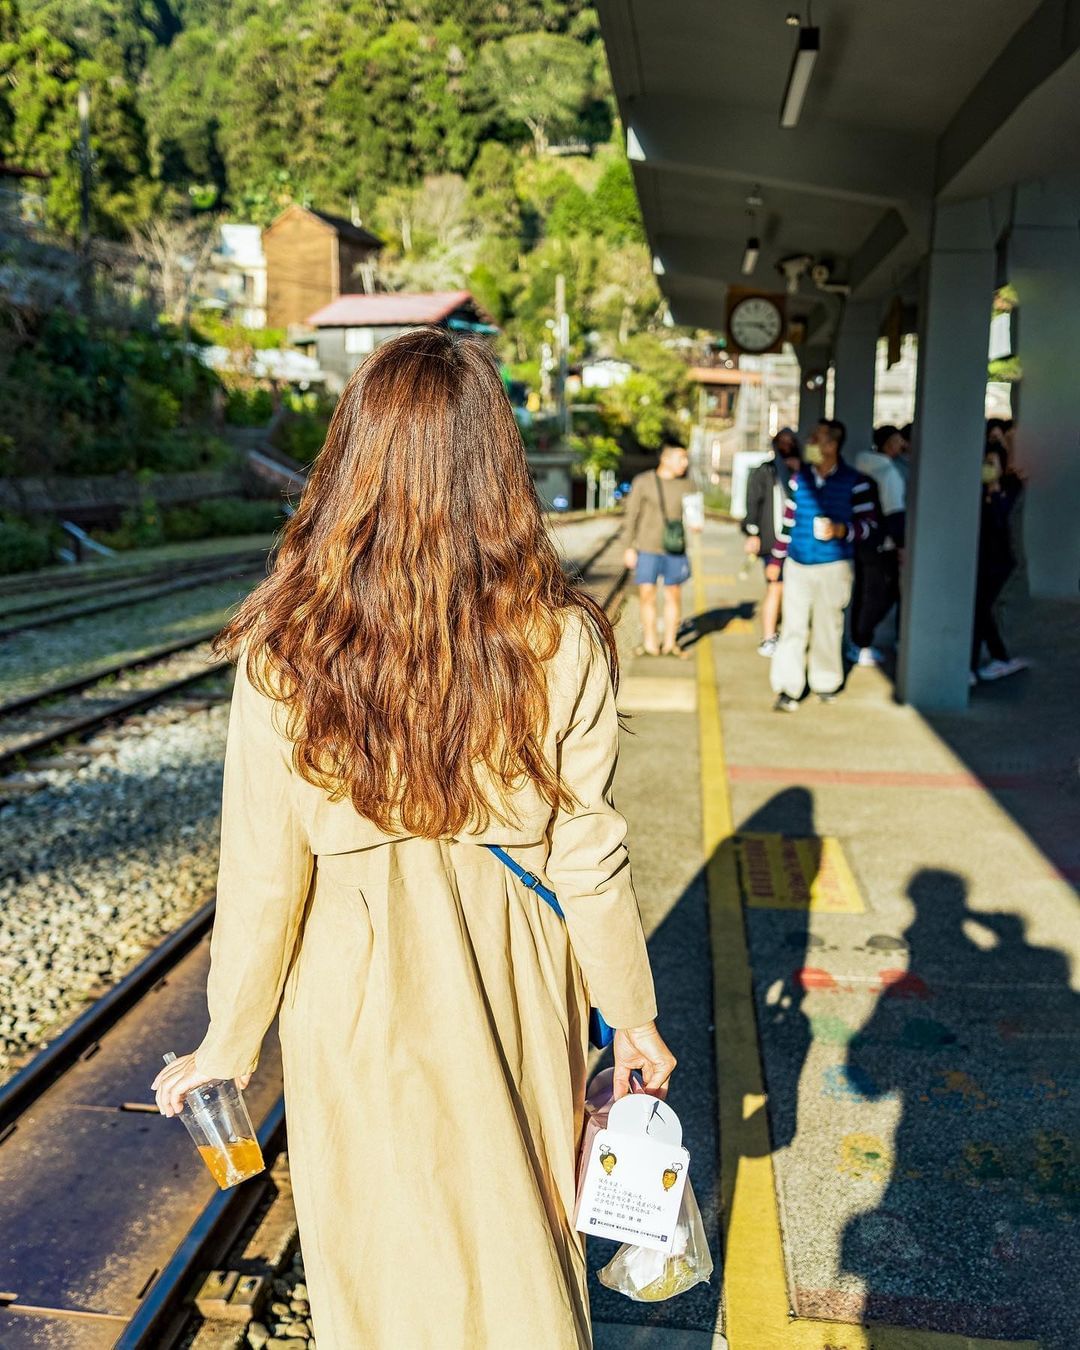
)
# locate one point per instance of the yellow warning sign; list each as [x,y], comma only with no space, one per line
[779,872]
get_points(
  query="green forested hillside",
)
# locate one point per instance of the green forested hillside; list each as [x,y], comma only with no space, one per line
[436,120]
[343,99]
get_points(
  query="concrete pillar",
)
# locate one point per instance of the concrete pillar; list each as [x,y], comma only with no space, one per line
[812,361]
[944,490]
[1044,267]
[855,362]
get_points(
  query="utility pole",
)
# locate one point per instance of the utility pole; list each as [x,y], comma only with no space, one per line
[84,156]
[562,347]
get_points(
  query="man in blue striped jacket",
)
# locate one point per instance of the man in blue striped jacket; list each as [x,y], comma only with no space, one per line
[831,509]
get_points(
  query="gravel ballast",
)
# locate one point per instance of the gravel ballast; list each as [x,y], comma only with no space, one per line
[99,865]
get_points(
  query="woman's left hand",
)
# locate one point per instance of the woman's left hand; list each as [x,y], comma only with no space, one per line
[179,1078]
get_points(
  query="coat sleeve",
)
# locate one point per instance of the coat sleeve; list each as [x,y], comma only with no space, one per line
[588,863]
[263,879]
[754,501]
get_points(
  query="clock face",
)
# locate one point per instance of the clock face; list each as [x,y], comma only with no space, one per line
[756,323]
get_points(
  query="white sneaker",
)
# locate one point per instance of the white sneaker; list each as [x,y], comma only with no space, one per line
[767,646]
[869,656]
[997,670]
[973,680]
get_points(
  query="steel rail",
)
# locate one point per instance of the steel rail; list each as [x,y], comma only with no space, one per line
[91,722]
[19,1093]
[81,682]
[97,579]
[162,1320]
[132,596]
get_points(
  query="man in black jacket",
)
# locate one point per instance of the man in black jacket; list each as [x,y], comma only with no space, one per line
[766,492]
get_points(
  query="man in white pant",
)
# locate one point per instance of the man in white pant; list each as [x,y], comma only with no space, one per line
[831,508]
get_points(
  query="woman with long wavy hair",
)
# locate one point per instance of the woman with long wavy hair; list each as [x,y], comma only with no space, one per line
[418,678]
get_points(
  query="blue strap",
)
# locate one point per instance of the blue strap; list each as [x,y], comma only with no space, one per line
[527,879]
[600,1033]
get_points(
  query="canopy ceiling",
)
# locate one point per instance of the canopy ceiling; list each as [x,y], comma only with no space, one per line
[909,103]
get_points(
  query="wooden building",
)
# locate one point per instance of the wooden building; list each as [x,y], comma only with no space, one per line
[311,259]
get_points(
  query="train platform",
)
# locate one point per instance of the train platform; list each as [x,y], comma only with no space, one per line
[863,923]
[864,928]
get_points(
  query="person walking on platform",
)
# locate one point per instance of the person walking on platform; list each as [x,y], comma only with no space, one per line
[418,681]
[661,501]
[877,562]
[1002,490]
[767,492]
[830,511]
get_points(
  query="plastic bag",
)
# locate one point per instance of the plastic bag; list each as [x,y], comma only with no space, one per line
[640,1273]
[650,1277]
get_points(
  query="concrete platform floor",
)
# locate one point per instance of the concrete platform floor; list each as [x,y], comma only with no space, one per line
[914,967]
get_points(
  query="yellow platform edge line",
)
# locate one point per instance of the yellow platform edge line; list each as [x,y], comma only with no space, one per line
[756,1307]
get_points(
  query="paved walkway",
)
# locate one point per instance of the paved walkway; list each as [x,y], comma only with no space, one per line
[898,894]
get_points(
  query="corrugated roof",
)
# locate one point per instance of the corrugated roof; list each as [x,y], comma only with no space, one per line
[388,309]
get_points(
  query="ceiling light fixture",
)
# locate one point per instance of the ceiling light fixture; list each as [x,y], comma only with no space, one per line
[753,243]
[798,80]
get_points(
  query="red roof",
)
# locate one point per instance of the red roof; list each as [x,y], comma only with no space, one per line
[389,309]
[17,171]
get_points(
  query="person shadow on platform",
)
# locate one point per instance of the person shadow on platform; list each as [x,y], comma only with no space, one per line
[973,1231]
[780,946]
[696,626]
[689,1019]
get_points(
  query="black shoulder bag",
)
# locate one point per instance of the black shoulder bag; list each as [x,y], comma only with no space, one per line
[674,537]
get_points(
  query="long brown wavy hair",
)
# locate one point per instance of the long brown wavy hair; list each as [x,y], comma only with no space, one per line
[414,598]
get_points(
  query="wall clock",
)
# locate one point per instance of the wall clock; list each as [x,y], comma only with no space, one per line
[756,323]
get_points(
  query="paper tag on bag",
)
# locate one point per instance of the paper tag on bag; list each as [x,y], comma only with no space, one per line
[634,1179]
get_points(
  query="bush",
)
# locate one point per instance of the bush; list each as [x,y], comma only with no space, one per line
[22,547]
[249,407]
[301,435]
[153,409]
[221,517]
[141,526]
[185,450]
[211,327]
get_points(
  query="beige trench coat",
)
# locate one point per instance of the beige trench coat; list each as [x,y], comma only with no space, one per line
[433,1022]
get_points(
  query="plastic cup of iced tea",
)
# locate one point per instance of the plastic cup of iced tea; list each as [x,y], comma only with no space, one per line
[216,1117]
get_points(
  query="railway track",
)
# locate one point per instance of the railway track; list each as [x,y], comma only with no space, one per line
[33,725]
[121,594]
[93,579]
[117,1224]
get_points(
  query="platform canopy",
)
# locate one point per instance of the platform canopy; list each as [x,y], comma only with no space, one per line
[909,102]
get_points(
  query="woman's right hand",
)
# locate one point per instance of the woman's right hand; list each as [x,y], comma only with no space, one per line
[630,559]
[642,1048]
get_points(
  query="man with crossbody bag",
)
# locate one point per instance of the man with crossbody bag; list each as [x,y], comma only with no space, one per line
[662,504]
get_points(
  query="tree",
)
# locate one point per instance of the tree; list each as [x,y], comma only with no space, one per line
[626,295]
[178,252]
[42,76]
[615,203]
[637,406]
[431,233]
[493,191]
[540,79]
[401,107]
